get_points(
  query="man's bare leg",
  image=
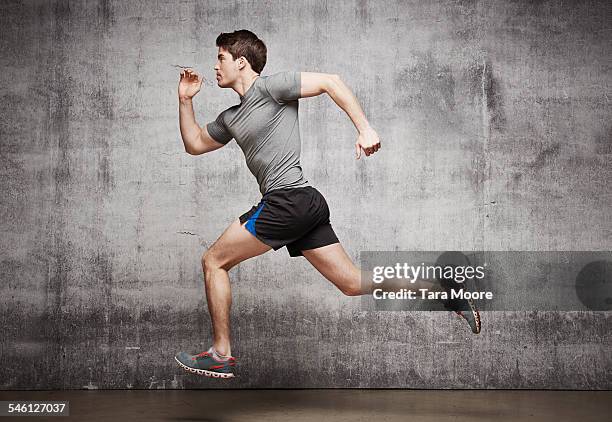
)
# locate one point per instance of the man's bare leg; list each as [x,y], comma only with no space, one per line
[235,245]
[335,265]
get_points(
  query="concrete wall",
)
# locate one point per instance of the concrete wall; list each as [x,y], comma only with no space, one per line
[495,124]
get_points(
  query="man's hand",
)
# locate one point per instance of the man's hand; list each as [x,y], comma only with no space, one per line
[368,141]
[189,84]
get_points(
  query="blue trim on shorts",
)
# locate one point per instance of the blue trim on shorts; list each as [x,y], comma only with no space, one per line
[250,225]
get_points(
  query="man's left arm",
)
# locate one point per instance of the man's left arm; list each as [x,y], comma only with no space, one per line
[313,84]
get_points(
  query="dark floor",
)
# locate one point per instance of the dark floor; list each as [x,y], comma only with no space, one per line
[326,405]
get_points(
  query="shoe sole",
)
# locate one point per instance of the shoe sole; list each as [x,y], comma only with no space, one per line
[204,372]
[475,314]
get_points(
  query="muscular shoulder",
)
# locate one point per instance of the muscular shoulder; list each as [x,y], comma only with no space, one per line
[283,86]
[227,114]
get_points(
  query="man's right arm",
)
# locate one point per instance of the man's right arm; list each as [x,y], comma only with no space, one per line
[196,139]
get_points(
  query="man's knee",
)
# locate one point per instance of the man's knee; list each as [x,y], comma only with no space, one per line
[352,285]
[212,261]
[352,290]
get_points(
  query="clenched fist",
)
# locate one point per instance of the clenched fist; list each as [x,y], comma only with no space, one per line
[368,141]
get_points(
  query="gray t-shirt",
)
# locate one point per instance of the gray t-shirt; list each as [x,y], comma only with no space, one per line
[265,125]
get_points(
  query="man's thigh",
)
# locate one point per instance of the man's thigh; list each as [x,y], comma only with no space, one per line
[236,244]
[334,264]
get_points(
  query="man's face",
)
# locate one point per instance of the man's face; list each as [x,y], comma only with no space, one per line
[226,69]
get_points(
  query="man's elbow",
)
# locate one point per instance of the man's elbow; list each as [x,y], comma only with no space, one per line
[199,145]
[333,81]
[192,151]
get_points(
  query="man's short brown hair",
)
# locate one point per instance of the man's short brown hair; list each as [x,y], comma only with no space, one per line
[244,43]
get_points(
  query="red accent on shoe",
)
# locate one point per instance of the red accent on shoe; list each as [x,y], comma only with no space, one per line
[216,367]
[221,360]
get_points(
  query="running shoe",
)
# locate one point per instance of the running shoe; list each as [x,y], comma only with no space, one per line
[465,308]
[207,364]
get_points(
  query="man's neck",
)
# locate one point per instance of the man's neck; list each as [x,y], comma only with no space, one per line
[244,83]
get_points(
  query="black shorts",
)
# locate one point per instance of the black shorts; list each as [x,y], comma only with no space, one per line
[297,218]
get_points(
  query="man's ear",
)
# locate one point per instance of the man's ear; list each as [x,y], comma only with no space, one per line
[241,62]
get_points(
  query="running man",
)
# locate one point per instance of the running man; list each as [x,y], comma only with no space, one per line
[291,212]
